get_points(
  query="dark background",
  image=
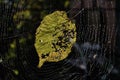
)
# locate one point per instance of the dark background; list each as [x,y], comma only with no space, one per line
[18,22]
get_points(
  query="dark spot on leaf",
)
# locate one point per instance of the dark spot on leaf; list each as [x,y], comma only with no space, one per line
[45,55]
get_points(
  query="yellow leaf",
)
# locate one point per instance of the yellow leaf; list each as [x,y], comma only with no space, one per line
[54,37]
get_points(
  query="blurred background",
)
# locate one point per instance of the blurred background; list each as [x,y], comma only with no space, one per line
[19,20]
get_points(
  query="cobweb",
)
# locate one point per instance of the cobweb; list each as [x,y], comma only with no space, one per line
[91,58]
